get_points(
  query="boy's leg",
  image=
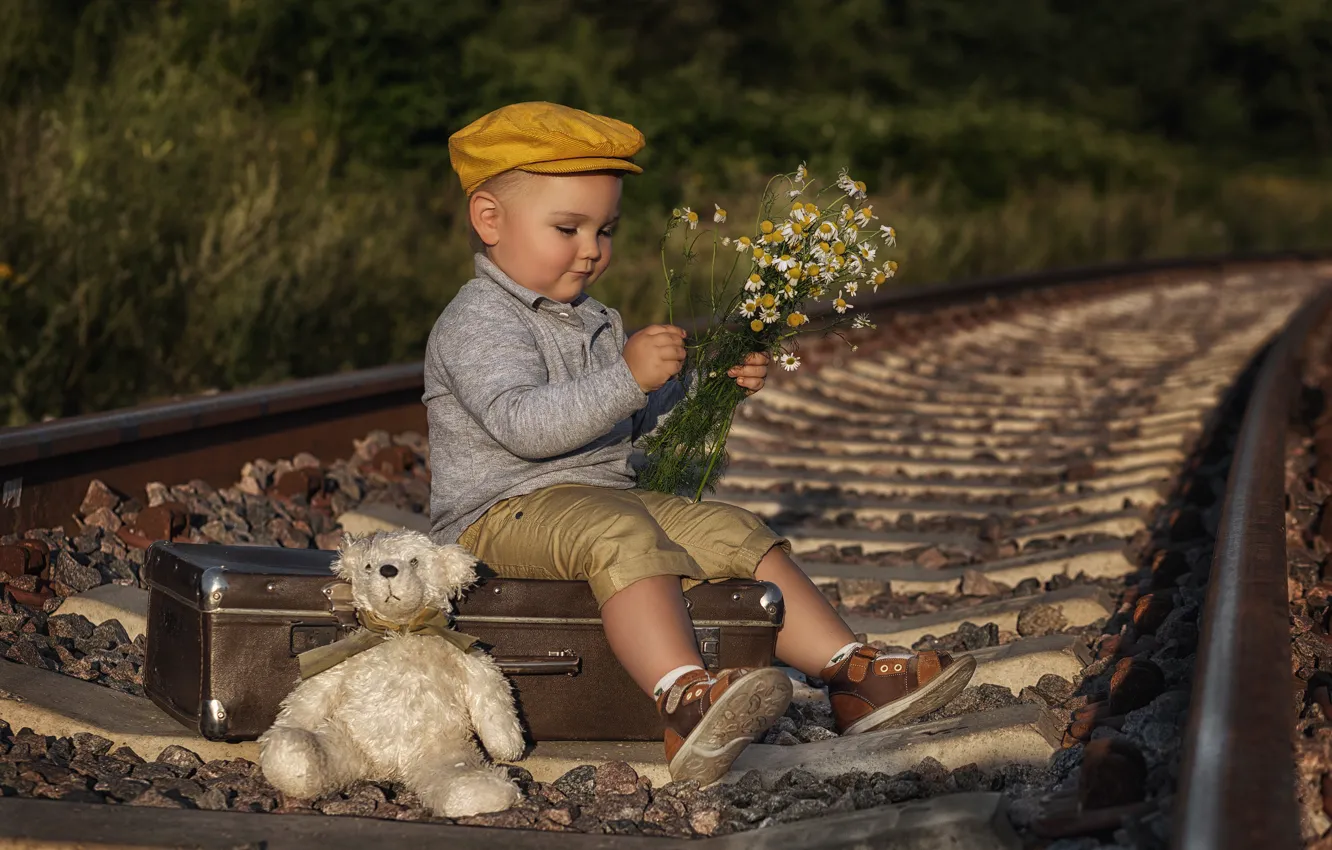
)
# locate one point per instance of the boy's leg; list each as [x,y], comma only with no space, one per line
[812,632]
[867,689]
[649,630]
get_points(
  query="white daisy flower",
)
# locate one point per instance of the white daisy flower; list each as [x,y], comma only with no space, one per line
[754,283]
[867,251]
[790,362]
[744,243]
[852,287]
[769,315]
[785,262]
[840,305]
[865,215]
[853,188]
[765,260]
[794,193]
[691,217]
[850,233]
[862,321]
[720,215]
[802,174]
[726,241]
[749,308]
[889,235]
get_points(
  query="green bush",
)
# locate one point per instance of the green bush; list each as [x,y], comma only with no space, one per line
[223,193]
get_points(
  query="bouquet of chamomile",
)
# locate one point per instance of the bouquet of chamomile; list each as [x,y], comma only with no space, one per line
[810,244]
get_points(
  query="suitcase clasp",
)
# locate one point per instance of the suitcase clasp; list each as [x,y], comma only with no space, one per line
[709,646]
[341,603]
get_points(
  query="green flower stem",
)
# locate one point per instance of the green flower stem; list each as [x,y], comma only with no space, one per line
[716,453]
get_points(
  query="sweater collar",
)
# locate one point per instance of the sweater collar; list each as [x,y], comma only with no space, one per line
[486,268]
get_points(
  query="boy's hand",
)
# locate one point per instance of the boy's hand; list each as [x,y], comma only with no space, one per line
[752,372]
[654,354]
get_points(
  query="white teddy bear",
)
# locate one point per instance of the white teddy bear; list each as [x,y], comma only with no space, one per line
[403,709]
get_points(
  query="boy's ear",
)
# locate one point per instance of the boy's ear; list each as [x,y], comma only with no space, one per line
[484,213]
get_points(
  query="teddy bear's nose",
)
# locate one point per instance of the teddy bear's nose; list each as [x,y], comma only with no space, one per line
[388,571]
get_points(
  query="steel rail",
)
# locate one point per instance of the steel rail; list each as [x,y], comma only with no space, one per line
[1237,780]
[45,468]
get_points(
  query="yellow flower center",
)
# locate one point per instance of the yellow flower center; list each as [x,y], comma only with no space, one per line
[754,278]
[816,291]
[812,269]
[839,248]
[892,264]
[860,184]
[756,325]
[797,228]
[847,213]
[794,273]
[795,320]
[758,253]
[797,207]
[880,278]
[693,216]
[768,300]
[766,227]
[744,240]
[840,302]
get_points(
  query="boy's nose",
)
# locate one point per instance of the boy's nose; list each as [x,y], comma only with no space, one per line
[388,571]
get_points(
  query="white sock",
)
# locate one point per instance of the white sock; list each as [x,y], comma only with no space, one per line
[842,653]
[669,679]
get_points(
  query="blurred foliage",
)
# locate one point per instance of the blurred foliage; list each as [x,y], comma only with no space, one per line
[217,193]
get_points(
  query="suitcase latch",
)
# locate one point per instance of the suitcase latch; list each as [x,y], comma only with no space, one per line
[709,646]
[341,603]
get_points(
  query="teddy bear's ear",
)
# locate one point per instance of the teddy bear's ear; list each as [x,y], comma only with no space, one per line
[451,570]
[348,554]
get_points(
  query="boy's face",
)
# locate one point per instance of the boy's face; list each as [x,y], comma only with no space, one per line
[551,233]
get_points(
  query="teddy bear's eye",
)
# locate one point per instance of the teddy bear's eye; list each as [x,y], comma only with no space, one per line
[413,562]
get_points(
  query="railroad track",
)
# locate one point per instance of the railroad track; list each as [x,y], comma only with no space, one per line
[1038,474]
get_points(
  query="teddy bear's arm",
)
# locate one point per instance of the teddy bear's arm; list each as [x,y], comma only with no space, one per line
[490,703]
[310,704]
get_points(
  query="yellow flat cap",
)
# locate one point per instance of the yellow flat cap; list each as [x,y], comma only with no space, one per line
[543,138]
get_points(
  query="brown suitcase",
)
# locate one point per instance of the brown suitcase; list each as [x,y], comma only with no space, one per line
[225,624]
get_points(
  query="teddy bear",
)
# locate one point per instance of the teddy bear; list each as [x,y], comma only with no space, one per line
[399,700]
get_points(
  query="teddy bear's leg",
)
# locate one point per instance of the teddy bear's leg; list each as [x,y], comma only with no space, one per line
[490,704]
[307,764]
[461,790]
[302,755]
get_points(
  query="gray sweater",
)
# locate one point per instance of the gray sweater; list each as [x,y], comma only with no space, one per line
[522,392]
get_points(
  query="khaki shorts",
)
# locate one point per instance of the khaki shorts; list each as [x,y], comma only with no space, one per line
[612,538]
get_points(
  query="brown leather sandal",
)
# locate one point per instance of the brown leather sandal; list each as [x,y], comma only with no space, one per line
[708,724]
[869,690]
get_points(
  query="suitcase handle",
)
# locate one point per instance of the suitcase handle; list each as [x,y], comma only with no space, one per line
[537,665]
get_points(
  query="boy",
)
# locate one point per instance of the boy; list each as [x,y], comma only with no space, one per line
[534,398]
